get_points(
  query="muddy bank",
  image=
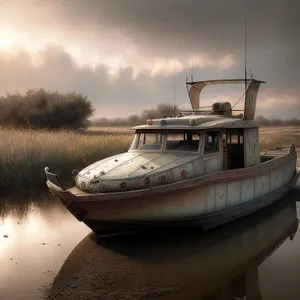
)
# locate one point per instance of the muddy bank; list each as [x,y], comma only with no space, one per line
[178,265]
[106,270]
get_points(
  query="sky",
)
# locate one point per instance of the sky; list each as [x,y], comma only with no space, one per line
[121,54]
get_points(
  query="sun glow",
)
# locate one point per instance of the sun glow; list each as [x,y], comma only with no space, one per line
[9,38]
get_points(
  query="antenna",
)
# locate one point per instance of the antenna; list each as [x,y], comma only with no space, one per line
[245,57]
[192,75]
[174,91]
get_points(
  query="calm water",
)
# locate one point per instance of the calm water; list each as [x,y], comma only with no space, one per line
[259,255]
[40,238]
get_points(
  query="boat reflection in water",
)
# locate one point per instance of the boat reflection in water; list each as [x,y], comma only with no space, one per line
[220,264]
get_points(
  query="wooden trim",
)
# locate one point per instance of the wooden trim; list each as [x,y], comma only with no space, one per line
[225,149]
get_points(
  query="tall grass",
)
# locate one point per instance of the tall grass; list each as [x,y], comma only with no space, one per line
[271,137]
[25,153]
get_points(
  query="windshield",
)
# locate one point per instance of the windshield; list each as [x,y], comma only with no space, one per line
[147,141]
[183,141]
[176,140]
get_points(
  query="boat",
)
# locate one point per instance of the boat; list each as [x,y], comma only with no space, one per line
[202,168]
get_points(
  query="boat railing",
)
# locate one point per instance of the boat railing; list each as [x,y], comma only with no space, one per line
[198,112]
[210,112]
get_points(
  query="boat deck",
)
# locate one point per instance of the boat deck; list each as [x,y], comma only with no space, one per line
[77,192]
[274,153]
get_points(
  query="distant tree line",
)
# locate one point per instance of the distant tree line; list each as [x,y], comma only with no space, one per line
[43,109]
[54,110]
[277,122]
[162,110]
[167,110]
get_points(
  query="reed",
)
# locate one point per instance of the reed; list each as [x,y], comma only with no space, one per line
[271,137]
[25,153]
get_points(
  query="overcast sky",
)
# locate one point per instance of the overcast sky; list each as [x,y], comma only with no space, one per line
[120,53]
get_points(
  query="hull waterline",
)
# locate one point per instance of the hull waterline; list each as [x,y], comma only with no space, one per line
[87,212]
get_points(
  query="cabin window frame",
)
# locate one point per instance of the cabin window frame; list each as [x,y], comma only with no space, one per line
[136,139]
[164,134]
[219,142]
[184,131]
[237,133]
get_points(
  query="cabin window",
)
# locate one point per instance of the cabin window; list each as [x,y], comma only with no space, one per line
[183,141]
[211,142]
[235,137]
[148,141]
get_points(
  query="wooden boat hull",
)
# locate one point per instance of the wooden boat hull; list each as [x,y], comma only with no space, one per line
[207,201]
[206,222]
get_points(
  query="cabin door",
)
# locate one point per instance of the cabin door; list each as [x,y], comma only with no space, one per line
[235,148]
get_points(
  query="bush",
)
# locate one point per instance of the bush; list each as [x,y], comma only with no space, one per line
[43,109]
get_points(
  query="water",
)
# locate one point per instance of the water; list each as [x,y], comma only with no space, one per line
[25,262]
[258,256]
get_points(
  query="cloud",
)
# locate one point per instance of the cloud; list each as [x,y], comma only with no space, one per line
[280,102]
[117,95]
[124,92]
[145,34]
[163,27]
[121,53]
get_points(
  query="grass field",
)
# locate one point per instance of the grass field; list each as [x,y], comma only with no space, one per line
[274,136]
[25,153]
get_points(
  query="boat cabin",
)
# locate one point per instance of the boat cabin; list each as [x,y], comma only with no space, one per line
[235,147]
[193,144]
[225,140]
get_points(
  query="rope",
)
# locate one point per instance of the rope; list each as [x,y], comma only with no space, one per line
[238,100]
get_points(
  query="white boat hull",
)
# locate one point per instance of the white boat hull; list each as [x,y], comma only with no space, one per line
[206,201]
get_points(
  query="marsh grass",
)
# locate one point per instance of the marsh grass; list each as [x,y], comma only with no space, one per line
[25,153]
[271,137]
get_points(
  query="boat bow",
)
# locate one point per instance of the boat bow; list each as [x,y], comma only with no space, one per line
[68,199]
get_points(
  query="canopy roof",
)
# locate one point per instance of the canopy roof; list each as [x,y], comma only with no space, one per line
[220,81]
[195,87]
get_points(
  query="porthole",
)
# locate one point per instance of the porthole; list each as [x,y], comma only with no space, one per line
[163,178]
[123,185]
[184,172]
